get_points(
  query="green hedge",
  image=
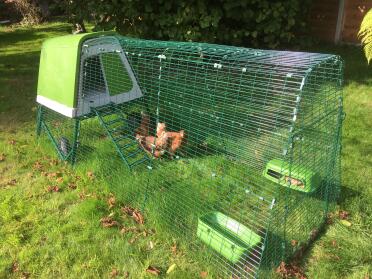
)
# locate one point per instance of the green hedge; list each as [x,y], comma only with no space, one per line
[254,23]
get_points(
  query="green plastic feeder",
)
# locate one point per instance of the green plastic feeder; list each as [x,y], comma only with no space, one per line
[225,235]
[297,178]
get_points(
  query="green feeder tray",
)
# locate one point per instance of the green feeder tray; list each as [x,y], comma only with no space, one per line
[225,235]
[298,178]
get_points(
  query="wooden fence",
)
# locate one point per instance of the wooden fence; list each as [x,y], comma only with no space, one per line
[338,20]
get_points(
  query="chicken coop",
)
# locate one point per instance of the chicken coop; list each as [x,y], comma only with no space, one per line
[235,151]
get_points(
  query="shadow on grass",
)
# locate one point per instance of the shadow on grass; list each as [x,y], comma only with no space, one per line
[25,35]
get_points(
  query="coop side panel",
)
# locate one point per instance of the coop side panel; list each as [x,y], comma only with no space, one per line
[57,73]
[314,149]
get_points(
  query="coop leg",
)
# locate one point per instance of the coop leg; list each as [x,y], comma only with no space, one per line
[146,190]
[75,144]
[39,120]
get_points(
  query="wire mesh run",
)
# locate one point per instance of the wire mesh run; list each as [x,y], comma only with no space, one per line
[236,151]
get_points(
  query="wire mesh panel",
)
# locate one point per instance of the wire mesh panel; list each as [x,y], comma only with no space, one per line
[235,151]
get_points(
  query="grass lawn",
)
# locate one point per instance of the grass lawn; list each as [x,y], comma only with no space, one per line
[58,234]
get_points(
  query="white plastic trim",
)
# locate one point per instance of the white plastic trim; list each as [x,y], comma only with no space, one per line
[62,109]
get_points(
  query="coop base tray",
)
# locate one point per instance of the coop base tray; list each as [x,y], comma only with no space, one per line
[225,235]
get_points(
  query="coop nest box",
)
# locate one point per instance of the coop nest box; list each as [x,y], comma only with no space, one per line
[81,71]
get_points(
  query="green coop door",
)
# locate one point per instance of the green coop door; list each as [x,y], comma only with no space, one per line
[116,74]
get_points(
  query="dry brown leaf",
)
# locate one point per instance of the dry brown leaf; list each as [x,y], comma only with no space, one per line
[108,222]
[343,215]
[174,249]
[2,157]
[12,142]
[25,275]
[203,274]
[133,239]
[137,216]
[90,175]
[290,271]
[114,272]
[128,229]
[134,213]
[37,165]
[294,242]
[12,182]
[15,267]
[72,186]
[54,174]
[59,179]
[52,188]
[53,162]
[334,243]
[111,201]
[153,270]
[127,210]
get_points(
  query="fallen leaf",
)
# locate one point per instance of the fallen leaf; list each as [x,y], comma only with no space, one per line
[25,275]
[12,182]
[174,249]
[203,274]
[294,242]
[151,245]
[2,157]
[37,165]
[334,243]
[15,267]
[90,174]
[59,179]
[108,222]
[126,229]
[72,186]
[12,142]
[54,174]
[343,215]
[134,213]
[52,188]
[138,217]
[111,201]
[53,162]
[345,223]
[133,239]
[290,271]
[171,268]
[153,270]
[114,272]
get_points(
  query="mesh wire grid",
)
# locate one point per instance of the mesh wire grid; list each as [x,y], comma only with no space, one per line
[230,111]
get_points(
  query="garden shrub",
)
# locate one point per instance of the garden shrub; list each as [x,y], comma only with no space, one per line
[253,23]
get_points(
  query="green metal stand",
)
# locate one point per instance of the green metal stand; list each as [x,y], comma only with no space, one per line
[39,120]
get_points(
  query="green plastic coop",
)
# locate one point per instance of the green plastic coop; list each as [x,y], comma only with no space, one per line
[251,157]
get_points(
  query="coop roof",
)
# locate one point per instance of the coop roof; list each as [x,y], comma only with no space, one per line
[59,71]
